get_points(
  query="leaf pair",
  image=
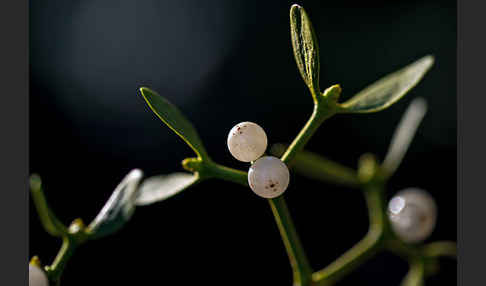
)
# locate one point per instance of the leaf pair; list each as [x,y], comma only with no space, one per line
[161,187]
[376,96]
[120,207]
[315,166]
[114,214]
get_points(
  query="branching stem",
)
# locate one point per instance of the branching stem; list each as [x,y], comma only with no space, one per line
[363,250]
[54,271]
[298,260]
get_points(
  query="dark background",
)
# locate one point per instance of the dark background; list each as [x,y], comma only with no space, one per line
[223,62]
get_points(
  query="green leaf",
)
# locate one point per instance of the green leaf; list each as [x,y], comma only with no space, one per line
[159,188]
[389,89]
[118,209]
[306,48]
[176,121]
[49,221]
[314,166]
[404,134]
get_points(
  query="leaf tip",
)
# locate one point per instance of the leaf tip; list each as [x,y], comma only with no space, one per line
[144,90]
[297,15]
[35,182]
[419,104]
[425,63]
[430,59]
[295,8]
[135,174]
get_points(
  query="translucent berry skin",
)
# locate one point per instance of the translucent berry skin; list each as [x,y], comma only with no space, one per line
[413,214]
[247,141]
[268,177]
[37,277]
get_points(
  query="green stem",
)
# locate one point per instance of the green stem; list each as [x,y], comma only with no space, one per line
[319,115]
[57,267]
[212,169]
[400,248]
[317,167]
[363,250]
[298,261]
[349,261]
[440,249]
[301,268]
[416,274]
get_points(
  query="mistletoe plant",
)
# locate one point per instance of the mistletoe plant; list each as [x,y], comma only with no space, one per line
[399,226]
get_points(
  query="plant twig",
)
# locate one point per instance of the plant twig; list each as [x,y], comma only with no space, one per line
[317,167]
[54,271]
[440,248]
[301,268]
[363,250]
[416,274]
[298,261]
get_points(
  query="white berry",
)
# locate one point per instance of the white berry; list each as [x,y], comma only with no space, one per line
[413,214]
[247,141]
[268,177]
[37,277]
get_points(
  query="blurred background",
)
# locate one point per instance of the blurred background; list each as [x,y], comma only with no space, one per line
[223,62]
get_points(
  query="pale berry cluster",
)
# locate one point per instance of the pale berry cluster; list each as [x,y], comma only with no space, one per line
[413,214]
[268,176]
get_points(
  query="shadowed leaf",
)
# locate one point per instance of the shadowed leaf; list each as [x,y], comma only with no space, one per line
[404,134]
[159,188]
[118,209]
[389,89]
[173,118]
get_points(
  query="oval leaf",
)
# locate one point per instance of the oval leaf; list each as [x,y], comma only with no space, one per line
[49,221]
[389,89]
[118,209]
[404,134]
[173,118]
[306,48]
[159,188]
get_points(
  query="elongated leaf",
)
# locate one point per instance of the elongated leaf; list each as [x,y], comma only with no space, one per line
[389,89]
[173,118]
[49,221]
[306,48]
[314,166]
[159,188]
[118,209]
[404,134]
